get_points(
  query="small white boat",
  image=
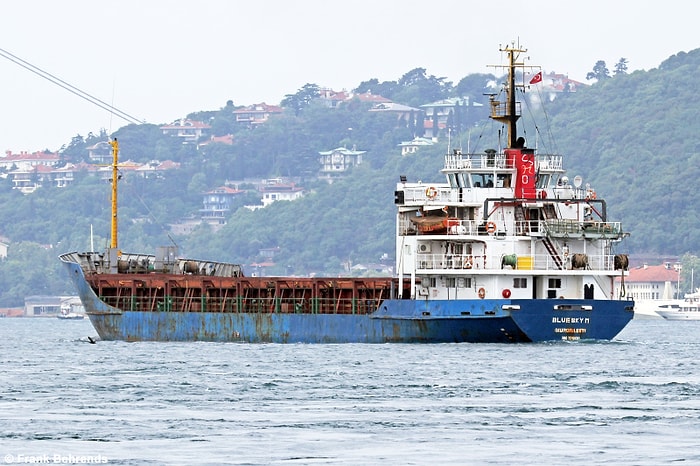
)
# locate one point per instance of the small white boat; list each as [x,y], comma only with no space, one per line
[646,308]
[68,314]
[685,309]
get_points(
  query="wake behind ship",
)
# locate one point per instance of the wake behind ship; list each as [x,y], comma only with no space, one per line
[505,250]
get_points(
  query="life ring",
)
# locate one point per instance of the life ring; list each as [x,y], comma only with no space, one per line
[468,262]
[482,293]
[431,193]
[491,227]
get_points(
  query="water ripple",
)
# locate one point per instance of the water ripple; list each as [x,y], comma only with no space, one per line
[630,401]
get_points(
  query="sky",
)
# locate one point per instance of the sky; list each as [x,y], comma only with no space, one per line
[158,60]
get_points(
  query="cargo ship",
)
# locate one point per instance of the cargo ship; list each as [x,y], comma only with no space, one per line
[506,249]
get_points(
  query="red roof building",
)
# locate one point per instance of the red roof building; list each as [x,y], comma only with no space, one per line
[257,113]
[26,161]
[650,282]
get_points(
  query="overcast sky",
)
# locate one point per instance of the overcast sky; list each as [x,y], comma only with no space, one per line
[159,60]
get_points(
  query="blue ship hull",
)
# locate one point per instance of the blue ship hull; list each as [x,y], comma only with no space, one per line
[396,322]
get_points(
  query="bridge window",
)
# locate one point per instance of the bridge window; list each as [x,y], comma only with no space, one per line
[482,180]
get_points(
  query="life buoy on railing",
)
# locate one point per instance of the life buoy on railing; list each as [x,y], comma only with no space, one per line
[491,227]
[431,193]
[482,293]
[468,262]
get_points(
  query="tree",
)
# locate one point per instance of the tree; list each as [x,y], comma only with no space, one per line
[75,150]
[474,86]
[138,142]
[373,86]
[416,88]
[621,67]
[690,263]
[600,72]
[299,101]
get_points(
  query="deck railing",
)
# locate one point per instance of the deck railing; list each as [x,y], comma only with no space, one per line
[446,263]
[553,228]
[275,305]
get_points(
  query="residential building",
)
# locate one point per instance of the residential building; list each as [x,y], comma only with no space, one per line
[26,161]
[256,114]
[411,147]
[50,306]
[650,282]
[339,160]
[226,139]
[333,99]
[27,180]
[276,189]
[402,112]
[217,204]
[127,166]
[155,168]
[64,176]
[101,152]
[188,131]
[452,112]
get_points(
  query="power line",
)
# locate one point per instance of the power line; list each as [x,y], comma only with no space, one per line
[70,88]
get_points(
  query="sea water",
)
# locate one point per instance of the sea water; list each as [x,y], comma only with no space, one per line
[634,400]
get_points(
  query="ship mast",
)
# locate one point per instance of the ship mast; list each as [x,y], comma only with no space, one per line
[115,161]
[508,112]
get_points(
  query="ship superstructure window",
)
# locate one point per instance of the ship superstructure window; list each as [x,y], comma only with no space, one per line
[503,180]
[482,180]
[458,180]
[429,282]
[520,282]
[458,282]
[555,283]
[464,282]
[453,180]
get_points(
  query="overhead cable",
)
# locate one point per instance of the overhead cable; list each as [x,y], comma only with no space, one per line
[70,88]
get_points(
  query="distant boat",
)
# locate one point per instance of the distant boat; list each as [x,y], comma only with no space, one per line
[685,309]
[646,308]
[67,314]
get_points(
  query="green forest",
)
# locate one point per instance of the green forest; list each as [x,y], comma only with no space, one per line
[631,136]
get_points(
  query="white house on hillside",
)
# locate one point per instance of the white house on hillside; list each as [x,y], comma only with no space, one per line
[339,160]
[277,190]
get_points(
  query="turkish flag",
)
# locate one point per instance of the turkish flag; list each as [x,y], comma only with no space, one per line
[536,78]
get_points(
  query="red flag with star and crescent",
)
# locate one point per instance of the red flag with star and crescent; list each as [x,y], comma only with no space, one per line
[536,78]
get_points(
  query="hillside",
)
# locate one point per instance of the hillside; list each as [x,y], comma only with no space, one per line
[634,137]
[630,137]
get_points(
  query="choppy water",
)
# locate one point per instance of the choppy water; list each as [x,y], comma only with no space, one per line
[635,400]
